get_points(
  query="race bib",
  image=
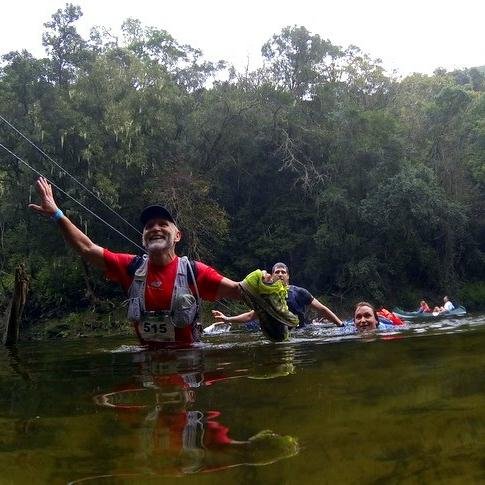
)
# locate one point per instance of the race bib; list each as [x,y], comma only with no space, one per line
[157,328]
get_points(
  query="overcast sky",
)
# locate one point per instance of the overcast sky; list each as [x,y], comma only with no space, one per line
[409,36]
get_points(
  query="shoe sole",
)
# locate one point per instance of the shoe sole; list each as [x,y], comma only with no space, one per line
[264,305]
[272,325]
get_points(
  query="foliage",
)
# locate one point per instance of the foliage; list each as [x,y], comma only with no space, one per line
[473,294]
[367,186]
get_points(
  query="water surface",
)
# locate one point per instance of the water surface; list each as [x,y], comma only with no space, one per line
[326,407]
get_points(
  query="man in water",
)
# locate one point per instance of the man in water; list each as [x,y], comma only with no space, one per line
[157,277]
[299,300]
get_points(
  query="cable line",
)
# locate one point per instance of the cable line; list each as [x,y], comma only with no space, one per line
[71,197]
[65,171]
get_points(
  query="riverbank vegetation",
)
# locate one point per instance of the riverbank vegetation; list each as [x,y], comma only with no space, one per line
[367,185]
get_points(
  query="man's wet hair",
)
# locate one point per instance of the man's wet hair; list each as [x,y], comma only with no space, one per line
[280,265]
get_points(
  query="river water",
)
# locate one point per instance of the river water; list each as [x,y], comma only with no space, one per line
[326,407]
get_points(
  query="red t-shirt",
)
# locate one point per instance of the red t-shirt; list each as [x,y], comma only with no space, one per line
[159,285]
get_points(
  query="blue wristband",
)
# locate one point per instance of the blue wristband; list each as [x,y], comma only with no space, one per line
[57,215]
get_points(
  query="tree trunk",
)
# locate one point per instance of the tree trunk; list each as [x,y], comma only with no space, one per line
[93,299]
[16,307]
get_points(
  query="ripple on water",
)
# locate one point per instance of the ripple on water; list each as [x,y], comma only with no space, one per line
[126,349]
[224,337]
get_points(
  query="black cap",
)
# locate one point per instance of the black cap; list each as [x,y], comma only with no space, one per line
[155,211]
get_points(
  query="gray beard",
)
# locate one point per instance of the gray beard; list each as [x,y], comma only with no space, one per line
[160,245]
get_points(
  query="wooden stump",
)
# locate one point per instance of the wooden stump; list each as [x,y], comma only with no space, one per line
[16,307]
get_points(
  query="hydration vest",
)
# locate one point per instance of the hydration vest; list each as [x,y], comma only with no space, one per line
[184,307]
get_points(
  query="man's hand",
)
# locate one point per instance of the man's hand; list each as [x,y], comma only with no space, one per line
[47,205]
[267,277]
[79,241]
[219,316]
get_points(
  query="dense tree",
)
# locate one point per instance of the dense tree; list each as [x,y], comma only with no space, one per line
[366,185]
[66,48]
[298,60]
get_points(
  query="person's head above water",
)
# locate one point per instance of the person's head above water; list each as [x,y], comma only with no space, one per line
[365,316]
[280,272]
[160,231]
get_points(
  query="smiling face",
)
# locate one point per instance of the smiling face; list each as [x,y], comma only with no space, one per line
[365,317]
[160,235]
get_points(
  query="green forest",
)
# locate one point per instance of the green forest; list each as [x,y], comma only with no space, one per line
[368,185]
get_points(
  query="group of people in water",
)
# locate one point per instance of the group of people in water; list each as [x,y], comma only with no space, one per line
[165,290]
[447,307]
[300,301]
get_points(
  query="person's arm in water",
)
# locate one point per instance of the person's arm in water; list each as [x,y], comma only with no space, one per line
[81,243]
[326,312]
[241,318]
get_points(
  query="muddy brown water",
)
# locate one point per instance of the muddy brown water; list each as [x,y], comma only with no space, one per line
[325,407]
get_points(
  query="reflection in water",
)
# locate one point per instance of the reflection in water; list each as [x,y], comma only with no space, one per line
[173,438]
[16,364]
[377,409]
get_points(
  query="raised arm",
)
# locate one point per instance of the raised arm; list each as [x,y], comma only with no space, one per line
[326,312]
[81,243]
